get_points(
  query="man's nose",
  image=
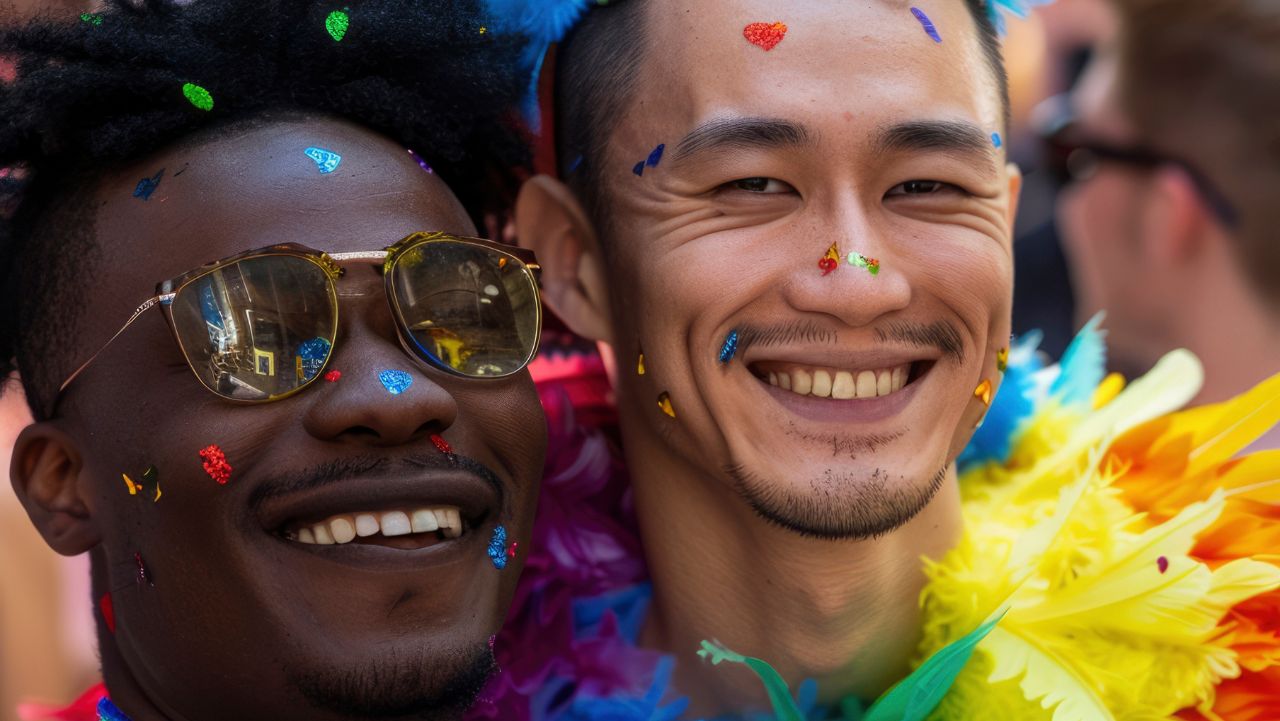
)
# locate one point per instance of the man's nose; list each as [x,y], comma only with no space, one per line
[862,284]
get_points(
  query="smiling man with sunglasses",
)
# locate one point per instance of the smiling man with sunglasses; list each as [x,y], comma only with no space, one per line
[303,464]
[1174,159]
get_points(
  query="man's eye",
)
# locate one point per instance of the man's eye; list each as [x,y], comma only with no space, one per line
[760,185]
[920,187]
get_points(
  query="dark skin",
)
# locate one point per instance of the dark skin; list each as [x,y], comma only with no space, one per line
[241,620]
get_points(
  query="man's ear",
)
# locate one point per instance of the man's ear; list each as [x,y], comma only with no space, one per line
[1174,218]
[551,222]
[45,472]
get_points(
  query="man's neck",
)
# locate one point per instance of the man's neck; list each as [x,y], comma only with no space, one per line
[844,613]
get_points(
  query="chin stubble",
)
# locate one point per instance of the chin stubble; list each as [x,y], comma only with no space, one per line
[838,506]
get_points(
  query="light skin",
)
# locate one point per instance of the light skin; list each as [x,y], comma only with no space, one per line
[1147,248]
[788,527]
[243,622]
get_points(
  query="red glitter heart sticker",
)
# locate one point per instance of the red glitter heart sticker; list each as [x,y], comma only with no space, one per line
[766,35]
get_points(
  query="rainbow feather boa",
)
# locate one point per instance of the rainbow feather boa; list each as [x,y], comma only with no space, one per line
[1115,565]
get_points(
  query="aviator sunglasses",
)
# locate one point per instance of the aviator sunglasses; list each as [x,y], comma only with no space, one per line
[261,325]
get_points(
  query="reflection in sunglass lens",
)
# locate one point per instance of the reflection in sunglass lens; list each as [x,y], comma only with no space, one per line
[467,308]
[258,328]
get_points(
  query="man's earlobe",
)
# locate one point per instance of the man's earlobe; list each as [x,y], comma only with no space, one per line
[45,472]
[550,221]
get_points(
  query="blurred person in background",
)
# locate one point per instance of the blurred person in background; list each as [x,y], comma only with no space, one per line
[1174,154]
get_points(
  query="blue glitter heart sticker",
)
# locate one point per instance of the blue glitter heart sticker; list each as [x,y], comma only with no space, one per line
[326,160]
[498,548]
[396,382]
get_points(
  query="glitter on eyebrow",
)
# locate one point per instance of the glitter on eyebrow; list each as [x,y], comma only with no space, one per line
[147,186]
[655,156]
[198,96]
[326,160]
[927,23]
[395,381]
[765,35]
[337,23]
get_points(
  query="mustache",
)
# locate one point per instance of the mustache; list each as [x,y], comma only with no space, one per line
[341,470]
[941,335]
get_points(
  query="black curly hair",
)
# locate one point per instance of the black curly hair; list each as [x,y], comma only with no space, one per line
[98,91]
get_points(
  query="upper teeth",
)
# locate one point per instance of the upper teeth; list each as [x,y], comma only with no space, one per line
[841,385]
[346,527]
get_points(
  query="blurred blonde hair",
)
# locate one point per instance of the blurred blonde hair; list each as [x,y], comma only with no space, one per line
[1201,79]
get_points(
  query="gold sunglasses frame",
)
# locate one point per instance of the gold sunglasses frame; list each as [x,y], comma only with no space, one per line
[330,263]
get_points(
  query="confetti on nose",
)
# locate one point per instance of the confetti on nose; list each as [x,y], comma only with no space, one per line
[664,402]
[326,160]
[333,376]
[498,547]
[337,24]
[871,264]
[1162,563]
[655,156]
[1002,360]
[765,35]
[396,382]
[730,347]
[996,140]
[198,96]
[215,464]
[927,24]
[831,260]
[983,392]
[108,611]
[147,186]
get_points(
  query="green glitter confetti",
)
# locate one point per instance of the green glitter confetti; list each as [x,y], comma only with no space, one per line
[337,24]
[198,96]
[871,265]
[91,18]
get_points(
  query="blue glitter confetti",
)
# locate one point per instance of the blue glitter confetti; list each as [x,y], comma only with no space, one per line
[927,23]
[639,168]
[498,548]
[326,160]
[396,382]
[108,711]
[656,156]
[730,347]
[996,140]
[147,186]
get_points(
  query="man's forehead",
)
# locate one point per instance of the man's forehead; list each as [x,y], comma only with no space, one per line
[874,60]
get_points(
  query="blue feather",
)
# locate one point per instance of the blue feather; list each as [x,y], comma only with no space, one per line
[1083,365]
[1019,8]
[541,22]
[1014,403]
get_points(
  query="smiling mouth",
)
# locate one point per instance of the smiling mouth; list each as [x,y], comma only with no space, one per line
[407,529]
[839,383]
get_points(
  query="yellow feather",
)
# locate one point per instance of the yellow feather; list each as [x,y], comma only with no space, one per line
[1045,677]
[1241,422]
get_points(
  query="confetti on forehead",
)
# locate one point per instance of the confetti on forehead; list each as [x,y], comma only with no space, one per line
[765,35]
[421,163]
[337,24]
[326,160]
[333,376]
[198,96]
[395,381]
[927,24]
[147,186]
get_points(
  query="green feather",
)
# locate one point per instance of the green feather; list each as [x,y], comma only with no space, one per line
[784,707]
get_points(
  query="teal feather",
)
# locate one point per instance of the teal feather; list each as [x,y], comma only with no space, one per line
[1083,365]
[1020,8]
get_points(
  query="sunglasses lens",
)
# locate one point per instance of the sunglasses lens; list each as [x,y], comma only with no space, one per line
[467,308]
[258,328]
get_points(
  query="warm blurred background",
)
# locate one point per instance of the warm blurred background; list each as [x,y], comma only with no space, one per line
[1155,184]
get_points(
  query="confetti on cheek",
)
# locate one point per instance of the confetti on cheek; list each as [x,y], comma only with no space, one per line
[396,382]
[927,24]
[997,141]
[1002,360]
[337,24]
[638,168]
[326,160]
[129,483]
[198,96]
[498,547]
[730,347]
[983,392]
[511,552]
[108,611]
[655,156]
[1162,563]
[151,482]
[664,402]
[765,35]
[143,574]
[215,464]
[830,260]
[147,186]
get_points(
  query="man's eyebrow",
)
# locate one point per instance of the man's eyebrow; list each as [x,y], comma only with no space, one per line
[742,134]
[959,138]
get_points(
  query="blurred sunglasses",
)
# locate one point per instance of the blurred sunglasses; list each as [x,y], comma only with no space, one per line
[261,325]
[1074,157]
